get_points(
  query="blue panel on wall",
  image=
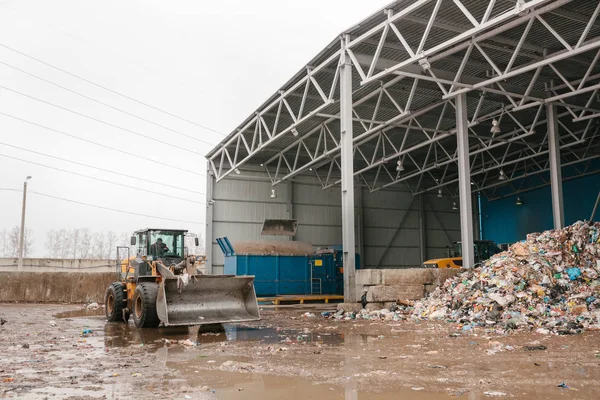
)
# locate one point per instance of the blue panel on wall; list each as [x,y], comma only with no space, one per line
[505,222]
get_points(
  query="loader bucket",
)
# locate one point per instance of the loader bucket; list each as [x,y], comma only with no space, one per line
[279,227]
[207,299]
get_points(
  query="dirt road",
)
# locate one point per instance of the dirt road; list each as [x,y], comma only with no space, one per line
[78,355]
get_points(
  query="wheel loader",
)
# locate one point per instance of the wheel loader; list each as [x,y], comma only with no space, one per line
[160,284]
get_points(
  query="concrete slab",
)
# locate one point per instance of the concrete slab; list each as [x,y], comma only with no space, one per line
[385,293]
[369,277]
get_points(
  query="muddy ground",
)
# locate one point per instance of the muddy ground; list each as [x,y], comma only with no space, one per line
[45,354]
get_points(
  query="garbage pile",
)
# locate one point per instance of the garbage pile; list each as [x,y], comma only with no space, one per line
[549,282]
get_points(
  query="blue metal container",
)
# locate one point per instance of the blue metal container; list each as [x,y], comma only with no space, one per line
[275,275]
[328,270]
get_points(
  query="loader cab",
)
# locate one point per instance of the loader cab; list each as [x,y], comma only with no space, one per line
[159,243]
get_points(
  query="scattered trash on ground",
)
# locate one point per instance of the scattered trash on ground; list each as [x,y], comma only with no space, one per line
[308,315]
[494,394]
[86,332]
[534,348]
[92,306]
[564,386]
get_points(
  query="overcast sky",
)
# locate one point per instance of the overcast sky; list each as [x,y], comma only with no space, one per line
[211,62]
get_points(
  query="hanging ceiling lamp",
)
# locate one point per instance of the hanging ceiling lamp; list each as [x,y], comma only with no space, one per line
[502,177]
[454,207]
[400,167]
[439,193]
[519,201]
[495,126]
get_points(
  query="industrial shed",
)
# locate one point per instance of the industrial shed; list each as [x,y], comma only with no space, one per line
[418,126]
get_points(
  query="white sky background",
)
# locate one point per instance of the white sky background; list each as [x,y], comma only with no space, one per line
[212,62]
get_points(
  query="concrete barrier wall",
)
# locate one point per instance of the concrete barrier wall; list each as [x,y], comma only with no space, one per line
[384,285]
[54,287]
[59,265]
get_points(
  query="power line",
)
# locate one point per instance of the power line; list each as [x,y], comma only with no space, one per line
[105,104]
[110,90]
[106,208]
[100,144]
[100,179]
[102,169]
[100,121]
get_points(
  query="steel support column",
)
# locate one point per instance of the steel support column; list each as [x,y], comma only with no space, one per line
[464,181]
[289,204]
[210,179]
[555,168]
[422,229]
[347,156]
[360,226]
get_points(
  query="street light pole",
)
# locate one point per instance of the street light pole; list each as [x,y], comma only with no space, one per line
[21,247]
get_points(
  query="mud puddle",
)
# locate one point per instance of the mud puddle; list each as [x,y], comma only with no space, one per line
[231,385]
[121,335]
[80,313]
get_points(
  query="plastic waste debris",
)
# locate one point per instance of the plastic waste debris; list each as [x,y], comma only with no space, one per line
[563,385]
[549,283]
[494,394]
[86,332]
[308,315]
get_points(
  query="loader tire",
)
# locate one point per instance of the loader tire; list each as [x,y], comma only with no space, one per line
[144,305]
[115,301]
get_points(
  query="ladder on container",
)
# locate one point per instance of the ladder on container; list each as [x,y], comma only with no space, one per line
[316,286]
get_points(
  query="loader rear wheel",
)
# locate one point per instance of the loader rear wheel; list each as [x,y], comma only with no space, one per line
[115,302]
[144,305]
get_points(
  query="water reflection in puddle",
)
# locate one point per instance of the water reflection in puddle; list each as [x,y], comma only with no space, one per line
[122,335]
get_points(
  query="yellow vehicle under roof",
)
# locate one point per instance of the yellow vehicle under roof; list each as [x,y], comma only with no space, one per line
[484,249]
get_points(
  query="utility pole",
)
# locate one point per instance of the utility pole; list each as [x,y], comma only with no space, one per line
[21,247]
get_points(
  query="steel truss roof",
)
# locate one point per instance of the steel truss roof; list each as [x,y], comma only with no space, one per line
[411,60]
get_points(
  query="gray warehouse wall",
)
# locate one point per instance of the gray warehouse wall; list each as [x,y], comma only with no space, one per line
[393,228]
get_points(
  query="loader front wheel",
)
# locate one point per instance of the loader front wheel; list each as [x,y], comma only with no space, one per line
[144,305]
[115,301]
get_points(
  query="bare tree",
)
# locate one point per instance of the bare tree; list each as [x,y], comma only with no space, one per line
[11,242]
[4,243]
[74,242]
[111,242]
[28,242]
[62,243]
[49,244]
[99,245]
[85,245]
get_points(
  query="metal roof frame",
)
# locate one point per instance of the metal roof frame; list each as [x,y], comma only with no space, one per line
[410,62]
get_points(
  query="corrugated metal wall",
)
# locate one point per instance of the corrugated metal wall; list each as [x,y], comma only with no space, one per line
[388,224]
[506,222]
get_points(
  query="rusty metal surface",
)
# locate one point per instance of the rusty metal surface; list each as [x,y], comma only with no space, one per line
[207,299]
